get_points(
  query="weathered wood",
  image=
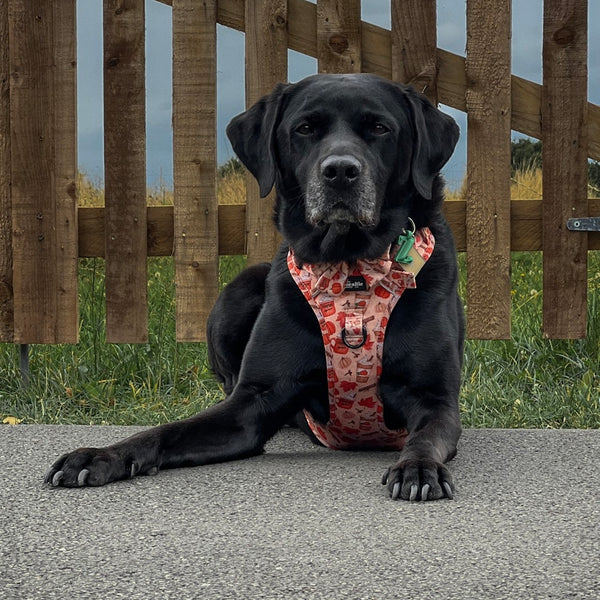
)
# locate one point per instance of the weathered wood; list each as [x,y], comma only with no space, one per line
[65,164]
[564,173]
[232,224]
[6,295]
[125,171]
[526,227]
[43,163]
[338,36]
[196,244]
[310,28]
[377,58]
[488,168]
[526,224]
[266,65]
[414,45]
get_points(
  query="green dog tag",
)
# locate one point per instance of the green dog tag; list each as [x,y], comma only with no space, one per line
[405,242]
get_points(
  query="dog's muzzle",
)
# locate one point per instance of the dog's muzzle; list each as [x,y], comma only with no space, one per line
[341,191]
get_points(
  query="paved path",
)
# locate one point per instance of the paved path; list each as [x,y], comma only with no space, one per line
[303,522]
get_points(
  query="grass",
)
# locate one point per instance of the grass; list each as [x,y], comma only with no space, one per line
[98,383]
[529,381]
[524,382]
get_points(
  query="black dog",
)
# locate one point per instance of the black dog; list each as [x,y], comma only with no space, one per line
[355,161]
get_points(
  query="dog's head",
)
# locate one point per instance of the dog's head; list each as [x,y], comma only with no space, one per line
[348,155]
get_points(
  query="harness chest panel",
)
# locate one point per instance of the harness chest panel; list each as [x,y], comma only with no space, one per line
[353,304]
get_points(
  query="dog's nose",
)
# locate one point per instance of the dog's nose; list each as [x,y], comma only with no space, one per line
[340,171]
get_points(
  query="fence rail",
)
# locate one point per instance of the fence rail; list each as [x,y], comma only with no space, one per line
[43,232]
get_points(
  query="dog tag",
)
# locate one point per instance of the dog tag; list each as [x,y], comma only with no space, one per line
[355,283]
[405,243]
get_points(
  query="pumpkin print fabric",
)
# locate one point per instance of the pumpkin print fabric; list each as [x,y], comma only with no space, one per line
[353,304]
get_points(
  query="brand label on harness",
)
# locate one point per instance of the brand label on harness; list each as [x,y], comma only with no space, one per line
[355,283]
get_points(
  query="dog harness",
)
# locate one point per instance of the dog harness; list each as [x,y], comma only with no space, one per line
[353,304]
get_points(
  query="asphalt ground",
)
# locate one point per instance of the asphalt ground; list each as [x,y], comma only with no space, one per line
[304,522]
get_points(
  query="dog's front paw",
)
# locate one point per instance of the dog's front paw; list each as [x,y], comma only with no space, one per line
[416,480]
[90,466]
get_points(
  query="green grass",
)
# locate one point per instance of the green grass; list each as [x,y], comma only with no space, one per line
[524,382]
[529,381]
[124,384]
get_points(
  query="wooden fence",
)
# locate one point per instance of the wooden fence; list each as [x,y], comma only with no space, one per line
[43,232]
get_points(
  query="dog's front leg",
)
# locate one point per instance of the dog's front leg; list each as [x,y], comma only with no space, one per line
[235,428]
[420,473]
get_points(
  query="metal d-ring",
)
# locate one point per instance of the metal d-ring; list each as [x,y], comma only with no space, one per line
[353,346]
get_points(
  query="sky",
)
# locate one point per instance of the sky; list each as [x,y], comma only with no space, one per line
[526,58]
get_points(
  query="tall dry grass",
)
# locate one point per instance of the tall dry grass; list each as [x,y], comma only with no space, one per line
[230,190]
[524,185]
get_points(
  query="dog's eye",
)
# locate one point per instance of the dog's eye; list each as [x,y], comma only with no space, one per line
[379,129]
[304,129]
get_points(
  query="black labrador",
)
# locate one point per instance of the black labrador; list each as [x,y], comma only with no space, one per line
[355,161]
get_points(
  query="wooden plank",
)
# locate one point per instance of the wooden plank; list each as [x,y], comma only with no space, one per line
[232,225]
[526,224]
[488,168]
[593,131]
[414,45]
[455,212]
[266,65]
[377,58]
[65,165]
[6,294]
[43,162]
[564,173]
[526,227]
[125,171]
[338,36]
[232,220]
[91,232]
[196,244]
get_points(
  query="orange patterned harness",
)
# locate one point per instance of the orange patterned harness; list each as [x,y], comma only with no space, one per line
[353,304]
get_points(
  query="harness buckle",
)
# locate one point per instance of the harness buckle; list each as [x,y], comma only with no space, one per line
[355,346]
[353,328]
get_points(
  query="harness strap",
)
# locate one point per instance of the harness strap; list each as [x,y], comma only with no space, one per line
[353,304]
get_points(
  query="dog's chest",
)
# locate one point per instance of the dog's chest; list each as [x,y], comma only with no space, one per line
[353,304]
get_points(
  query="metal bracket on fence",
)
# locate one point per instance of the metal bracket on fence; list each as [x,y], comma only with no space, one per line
[584,224]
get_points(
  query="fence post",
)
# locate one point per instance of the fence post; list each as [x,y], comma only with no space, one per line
[125,171]
[6,295]
[564,167]
[414,45]
[339,36]
[196,235]
[488,99]
[43,156]
[266,65]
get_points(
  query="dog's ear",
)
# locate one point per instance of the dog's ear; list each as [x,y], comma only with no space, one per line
[436,135]
[252,135]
